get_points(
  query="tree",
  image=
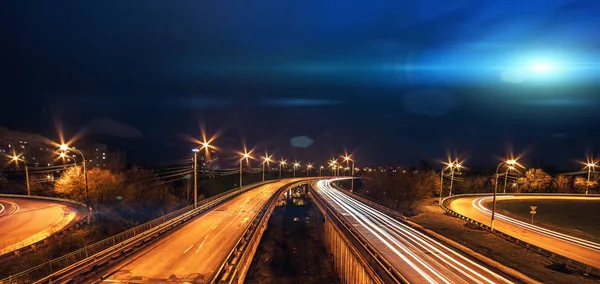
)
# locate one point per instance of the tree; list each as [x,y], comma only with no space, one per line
[561,184]
[102,184]
[580,184]
[535,180]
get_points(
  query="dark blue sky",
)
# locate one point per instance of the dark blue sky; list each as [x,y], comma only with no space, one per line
[392,80]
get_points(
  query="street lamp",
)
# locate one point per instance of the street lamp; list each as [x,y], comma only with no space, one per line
[508,169]
[296,164]
[203,145]
[321,170]
[333,166]
[450,165]
[348,159]
[266,159]
[244,156]
[65,147]
[308,167]
[281,164]
[64,156]
[16,159]
[456,166]
[511,162]
[589,166]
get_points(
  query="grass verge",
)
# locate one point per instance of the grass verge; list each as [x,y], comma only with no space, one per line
[428,214]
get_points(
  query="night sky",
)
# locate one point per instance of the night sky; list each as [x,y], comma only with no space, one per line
[391,81]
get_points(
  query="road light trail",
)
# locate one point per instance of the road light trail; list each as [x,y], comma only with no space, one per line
[418,257]
[568,246]
[27,221]
[479,205]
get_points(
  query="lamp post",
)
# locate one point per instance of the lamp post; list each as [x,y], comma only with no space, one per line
[244,156]
[321,171]
[281,164]
[64,156]
[17,160]
[442,181]
[308,167]
[456,166]
[65,147]
[510,162]
[348,159]
[266,159]
[296,164]
[204,145]
[508,169]
[589,166]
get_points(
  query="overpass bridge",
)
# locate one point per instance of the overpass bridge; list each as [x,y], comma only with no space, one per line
[215,243]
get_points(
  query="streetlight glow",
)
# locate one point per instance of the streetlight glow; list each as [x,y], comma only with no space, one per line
[64,147]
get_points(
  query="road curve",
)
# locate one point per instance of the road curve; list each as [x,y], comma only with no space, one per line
[418,257]
[574,248]
[27,221]
[195,251]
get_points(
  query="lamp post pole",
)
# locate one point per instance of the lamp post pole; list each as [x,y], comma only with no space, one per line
[441,184]
[511,163]
[451,180]
[494,199]
[16,159]
[263,173]
[241,160]
[195,178]
[506,177]
[352,176]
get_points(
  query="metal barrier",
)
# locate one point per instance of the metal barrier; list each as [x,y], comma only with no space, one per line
[33,246]
[91,255]
[571,263]
[376,261]
[234,268]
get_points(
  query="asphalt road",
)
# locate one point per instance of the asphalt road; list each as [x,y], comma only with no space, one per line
[26,221]
[195,251]
[578,249]
[418,257]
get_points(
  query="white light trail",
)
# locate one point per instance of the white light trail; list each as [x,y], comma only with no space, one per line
[421,256]
[478,204]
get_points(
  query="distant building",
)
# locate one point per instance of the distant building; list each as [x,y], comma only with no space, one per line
[39,151]
[99,156]
[36,150]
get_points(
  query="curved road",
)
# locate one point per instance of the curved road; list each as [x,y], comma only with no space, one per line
[26,221]
[193,253]
[418,257]
[475,207]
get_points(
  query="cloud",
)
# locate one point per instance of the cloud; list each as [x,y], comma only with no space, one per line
[292,102]
[112,127]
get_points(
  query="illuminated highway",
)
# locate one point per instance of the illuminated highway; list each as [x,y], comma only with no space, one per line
[418,257]
[26,221]
[578,249]
[195,251]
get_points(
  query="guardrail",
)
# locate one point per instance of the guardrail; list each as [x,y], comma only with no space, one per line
[571,263]
[33,246]
[235,266]
[372,257]
[83,260]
